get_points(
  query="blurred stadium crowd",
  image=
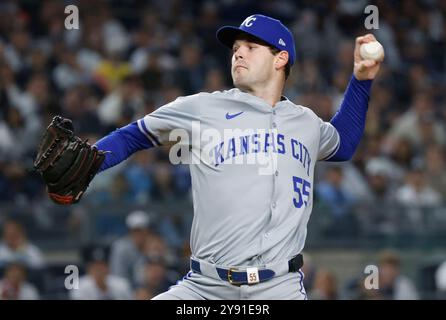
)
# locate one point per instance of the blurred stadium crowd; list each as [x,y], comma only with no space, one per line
[130,57]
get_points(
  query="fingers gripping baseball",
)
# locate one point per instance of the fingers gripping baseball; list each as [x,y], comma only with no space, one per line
[367,60]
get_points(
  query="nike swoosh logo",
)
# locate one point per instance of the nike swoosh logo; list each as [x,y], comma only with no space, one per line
[230,116]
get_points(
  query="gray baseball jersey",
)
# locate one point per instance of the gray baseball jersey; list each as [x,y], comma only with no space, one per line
[244,216]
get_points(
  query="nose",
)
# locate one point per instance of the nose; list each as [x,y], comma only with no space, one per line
[238,54]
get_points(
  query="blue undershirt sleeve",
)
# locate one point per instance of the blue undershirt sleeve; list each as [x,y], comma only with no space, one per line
[121,144]
[349,120]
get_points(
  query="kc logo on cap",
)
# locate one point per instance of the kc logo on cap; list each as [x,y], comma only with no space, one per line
[265,28]
[248,21]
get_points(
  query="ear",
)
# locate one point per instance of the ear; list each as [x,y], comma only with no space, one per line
[281,59]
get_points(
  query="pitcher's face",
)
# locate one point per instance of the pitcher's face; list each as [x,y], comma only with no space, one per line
[252,63]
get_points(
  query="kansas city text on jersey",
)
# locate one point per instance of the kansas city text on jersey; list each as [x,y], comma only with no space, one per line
[235,144]
[261,142]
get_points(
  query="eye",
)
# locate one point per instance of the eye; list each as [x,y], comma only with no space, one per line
[234,49]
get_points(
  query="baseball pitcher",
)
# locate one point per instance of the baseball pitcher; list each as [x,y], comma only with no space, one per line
[250,223]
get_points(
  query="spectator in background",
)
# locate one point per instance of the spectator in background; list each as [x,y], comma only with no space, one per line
[128,96]
[142,293]
[153,76]
[17,185]
[382,112]
[17,50]
[435,168]
[418,199]
[111,71]
[16,247]
[430,130]
[116,192]
[155,246]
[68,73]
[34,99]
[377,212]
[75,106]
[401,155]
[162,176]
[190,74]
[440,279]
[98,283]
[19,114]
[139,176]
[325,286]
[215,81]
[13,285]
[309,271]
[114,41]
[338,201]
[128,250]
[418,122]
[156,277]
[393,284]
[15,127]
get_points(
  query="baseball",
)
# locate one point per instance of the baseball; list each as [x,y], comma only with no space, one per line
[372,51]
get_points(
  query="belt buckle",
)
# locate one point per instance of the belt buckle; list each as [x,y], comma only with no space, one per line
[232,281]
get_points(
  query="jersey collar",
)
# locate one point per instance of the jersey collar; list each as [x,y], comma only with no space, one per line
[259,101]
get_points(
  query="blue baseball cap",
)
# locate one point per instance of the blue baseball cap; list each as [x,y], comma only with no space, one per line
[264,28]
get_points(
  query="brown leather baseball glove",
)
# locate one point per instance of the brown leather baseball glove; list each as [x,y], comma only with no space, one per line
[67,164]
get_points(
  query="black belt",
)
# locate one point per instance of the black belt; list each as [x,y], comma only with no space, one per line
[237,277]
